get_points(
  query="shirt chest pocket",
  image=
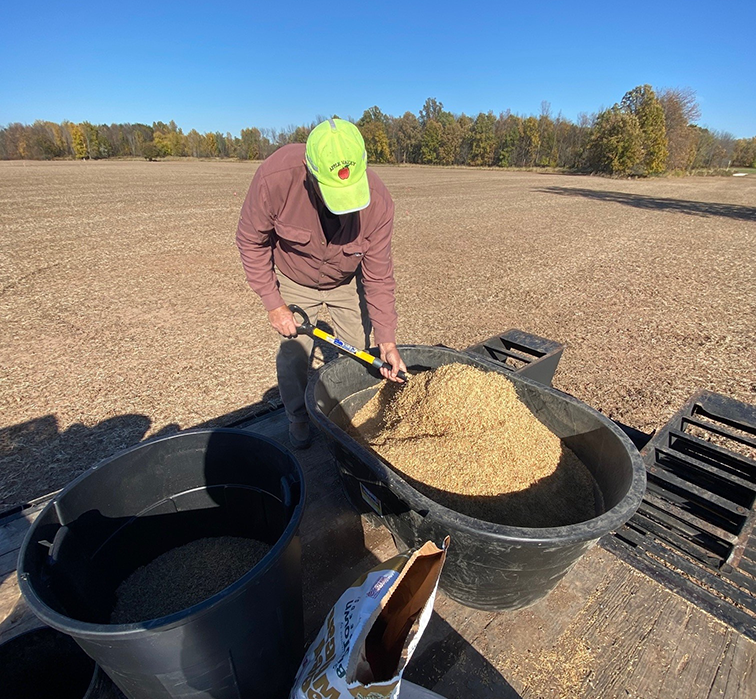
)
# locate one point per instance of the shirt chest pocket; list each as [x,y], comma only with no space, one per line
[292,236]
[351,256]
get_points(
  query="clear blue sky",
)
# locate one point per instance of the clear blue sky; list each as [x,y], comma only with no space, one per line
[224,66]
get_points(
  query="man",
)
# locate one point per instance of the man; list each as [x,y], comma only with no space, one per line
[316,229]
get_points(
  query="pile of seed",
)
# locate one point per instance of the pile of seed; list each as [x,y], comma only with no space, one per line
[462,437]
[185,576]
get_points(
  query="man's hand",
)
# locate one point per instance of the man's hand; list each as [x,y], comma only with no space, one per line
[282,319]
[390,355]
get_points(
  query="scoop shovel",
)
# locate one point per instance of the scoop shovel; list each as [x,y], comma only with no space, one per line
[307,328]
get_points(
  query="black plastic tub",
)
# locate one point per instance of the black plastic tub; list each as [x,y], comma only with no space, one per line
[247,639]
[489,566]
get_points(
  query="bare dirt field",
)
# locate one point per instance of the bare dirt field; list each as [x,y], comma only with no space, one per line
[125,312]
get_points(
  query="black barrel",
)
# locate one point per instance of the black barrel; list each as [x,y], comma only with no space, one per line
[247,639]
[489,566]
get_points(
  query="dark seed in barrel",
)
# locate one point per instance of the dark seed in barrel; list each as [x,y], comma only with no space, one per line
[185,576]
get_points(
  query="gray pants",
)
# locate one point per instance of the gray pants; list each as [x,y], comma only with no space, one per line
[346,306]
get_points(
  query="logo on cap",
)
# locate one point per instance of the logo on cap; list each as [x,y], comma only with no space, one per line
[344,173]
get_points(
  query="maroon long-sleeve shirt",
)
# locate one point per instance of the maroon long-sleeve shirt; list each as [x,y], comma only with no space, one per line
[280,225]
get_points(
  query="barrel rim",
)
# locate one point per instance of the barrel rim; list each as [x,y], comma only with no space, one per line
[92,631]
[590,530]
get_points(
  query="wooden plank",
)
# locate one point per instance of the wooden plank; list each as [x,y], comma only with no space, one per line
[15,616]
[14,528]
[618,635]
[447,661]
[8,563]
[736,675]
[641,640]
[680,656]
[273,425]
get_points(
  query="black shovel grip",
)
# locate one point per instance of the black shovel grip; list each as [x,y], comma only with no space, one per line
[305,327]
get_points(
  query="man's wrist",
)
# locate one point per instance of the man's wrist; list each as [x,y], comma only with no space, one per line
[383,337]
[272,301]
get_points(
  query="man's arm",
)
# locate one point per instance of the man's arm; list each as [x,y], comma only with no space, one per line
[378,278]
[379,284]
[254,238]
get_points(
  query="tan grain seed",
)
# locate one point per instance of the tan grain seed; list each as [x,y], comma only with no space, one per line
[462,437]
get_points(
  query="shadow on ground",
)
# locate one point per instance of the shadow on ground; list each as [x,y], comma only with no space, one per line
[641,201]
[37,457]
[450,665]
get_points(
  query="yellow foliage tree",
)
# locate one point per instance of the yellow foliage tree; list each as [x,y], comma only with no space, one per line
[78,142]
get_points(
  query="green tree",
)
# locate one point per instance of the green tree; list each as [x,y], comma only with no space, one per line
[91,139]
[529,143]
[194,143]
[483,140]
[178,142]
[546,154]
[224,144]
[249,145]
[616,143]
[430,111]
[642,103]
[407,136]
[211,146]
[373,115]
[299,135]
[507,130]
[430,145]
[162,142]
[41,141]
[572,141]
[451,139]
[169,139]
[374,127]
[150,151]
[465,125]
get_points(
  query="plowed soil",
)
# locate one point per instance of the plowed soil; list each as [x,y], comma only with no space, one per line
[125,312]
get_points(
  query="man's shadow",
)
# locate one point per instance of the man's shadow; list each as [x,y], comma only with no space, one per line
[36,457]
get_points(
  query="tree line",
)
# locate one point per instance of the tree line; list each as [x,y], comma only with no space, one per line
[646,133]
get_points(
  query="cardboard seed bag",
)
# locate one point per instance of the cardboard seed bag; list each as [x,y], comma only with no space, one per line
[371,632]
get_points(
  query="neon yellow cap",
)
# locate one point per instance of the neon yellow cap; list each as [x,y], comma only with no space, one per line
[336,158]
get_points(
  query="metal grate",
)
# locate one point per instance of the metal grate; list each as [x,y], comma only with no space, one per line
[694,531]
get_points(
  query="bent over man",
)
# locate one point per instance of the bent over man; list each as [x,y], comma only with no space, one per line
[315,229]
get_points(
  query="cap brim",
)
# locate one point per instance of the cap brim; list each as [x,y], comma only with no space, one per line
[346,200]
